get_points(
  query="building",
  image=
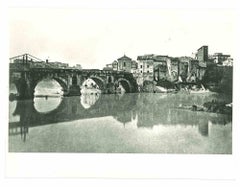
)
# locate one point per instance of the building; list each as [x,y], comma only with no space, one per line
[57,65]
[219,58]
[228,62]
[174,68]
[145,64]
[192,71]
[162,67]
[184,67]
[188,68]
[134,68]
[203,61]
[145,68]
[202,54]
[153,67]
[123,64]
[78,66]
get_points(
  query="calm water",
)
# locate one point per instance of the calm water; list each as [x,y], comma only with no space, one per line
[129,123]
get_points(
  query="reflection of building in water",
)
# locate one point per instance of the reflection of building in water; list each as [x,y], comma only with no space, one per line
[158,111]
[88,100]
[124,117]
[203,129]
[127,118]
[131,110]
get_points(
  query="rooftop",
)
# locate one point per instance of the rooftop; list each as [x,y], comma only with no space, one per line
[124,57]
[204,46]
[152,57]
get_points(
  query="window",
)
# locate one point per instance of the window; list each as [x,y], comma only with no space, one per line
[141,66]
[147,66]
[124,64]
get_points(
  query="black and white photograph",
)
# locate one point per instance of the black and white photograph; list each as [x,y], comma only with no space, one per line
[110,80]
[122,81]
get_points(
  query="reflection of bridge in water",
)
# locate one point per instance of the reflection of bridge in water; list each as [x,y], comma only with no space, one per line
[71,109]
[148,111]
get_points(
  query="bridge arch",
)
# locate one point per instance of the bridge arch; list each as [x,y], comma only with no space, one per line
[61,81]
[22,88]
[126,84]
[99,81]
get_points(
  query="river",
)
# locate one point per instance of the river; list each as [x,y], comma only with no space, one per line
[127,123]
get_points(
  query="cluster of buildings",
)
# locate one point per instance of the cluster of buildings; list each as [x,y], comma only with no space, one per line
[153,67]
[150,67]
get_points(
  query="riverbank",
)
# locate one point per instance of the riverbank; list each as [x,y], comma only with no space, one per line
[213,106]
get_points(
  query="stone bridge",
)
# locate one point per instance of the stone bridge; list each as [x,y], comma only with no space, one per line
[71,80]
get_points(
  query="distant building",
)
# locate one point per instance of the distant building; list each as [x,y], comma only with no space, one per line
[202,54]
[192,71]
[145,68]
[18,61]
[153,67]
[134,68]
[219,58]
[109,66]
[203,61]
[174,68]
[184,67]
[78,66]
[145,64]
[57,65]
[38,65]
[187,68]
[124,63]
[228,62]
[162,67]
[114,65]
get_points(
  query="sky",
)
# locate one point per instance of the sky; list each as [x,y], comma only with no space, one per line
[96,37]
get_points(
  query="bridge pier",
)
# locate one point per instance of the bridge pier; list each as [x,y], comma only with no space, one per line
[74,90]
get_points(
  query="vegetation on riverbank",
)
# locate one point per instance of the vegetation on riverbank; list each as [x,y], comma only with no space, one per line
[219,79]
[213,106]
